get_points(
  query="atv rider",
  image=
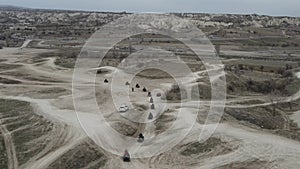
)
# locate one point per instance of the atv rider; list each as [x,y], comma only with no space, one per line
[141,138]
[126,156]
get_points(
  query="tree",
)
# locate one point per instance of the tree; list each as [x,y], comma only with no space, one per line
[274,99]
[280,71]
[262,68]
[241,67]
[290,105]
[287,67]
[230,88]
[249,84]
[251,68]
[218,47]
[287,74]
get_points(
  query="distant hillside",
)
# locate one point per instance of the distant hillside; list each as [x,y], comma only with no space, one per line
[11,8]
[14,14]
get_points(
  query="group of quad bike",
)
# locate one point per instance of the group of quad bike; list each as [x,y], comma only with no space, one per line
[126,156]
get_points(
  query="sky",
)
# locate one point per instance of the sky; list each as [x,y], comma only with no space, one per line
[263,7]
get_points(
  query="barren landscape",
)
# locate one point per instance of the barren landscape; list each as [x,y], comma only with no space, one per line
[39,128]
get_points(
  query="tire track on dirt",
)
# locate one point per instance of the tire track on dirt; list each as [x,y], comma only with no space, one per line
[10,148]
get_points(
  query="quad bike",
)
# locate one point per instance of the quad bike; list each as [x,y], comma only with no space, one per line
[126,156]
[141,138]
[150,117]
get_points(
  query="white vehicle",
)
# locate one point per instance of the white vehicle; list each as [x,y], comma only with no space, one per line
[123,108]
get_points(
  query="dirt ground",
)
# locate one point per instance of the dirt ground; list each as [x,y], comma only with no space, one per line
[246,137]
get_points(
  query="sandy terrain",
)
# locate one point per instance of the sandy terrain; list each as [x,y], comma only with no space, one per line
[47,87]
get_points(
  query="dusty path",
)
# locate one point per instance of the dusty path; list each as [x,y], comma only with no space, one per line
[259,144]
[25,44]
[10,148]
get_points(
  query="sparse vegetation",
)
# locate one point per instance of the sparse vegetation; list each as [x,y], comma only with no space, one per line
[252,83]
[85,154]
[176,93]
[198,148]
[164,122]
[35,127]
[154,74]
[291,134]
[67,57]
[9,81]
[3,154]
[27,76]
[4,66]
[249,164]
[262,117]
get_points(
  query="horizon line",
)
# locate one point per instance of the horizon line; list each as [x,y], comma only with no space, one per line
[132,12]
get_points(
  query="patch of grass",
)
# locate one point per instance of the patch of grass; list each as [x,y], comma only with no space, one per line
[290,107]
[256,63]
[249,164]
[23,140]
[9,81]
[98,165]
[3,153]
[291,134]
[36,127]
[42,79]
[39,60]
[245,84]
[293,87]
[11,108]
[198,148]
[5,66]
[196,66]
[67,57]
[175,94]
[262,117]
[30,77]
[52,90]
[140,107]
[163,122]
[125,128]
[84,154]
[250,102]
[154,74]
[202,92]
[48,93]
[261,42]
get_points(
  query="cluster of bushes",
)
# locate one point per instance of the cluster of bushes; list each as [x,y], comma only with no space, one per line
[266,86]
[176,94]
[67,58]
[284,71]
[238,84]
